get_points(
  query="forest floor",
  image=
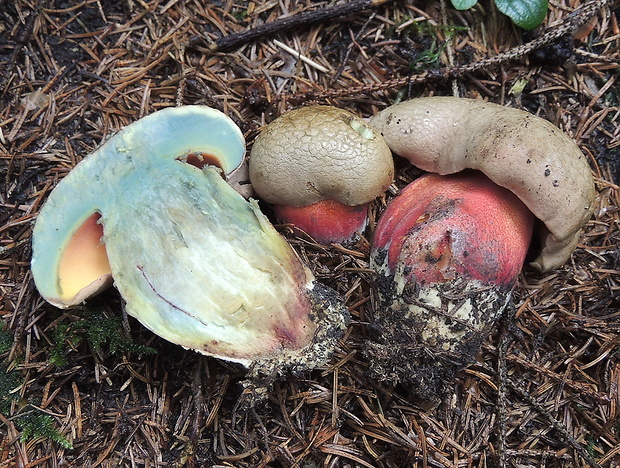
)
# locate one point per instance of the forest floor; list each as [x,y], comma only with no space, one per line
[87,387]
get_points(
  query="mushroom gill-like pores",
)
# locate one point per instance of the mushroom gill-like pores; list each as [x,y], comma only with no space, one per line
[449,248]
[321,166]
[195,262]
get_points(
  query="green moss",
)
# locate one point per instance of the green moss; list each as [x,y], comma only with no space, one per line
[9,381]
[36,424]
[101,332]
[239,15]
[592,445]
[426,34]
[6,340]
[428,29]
[428,58]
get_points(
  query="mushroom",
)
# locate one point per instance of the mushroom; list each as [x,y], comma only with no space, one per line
[449,248]
[515,149]
[321,166]
[195,262]
[447,252]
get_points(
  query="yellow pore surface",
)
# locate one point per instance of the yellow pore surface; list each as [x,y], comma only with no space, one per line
[84,260]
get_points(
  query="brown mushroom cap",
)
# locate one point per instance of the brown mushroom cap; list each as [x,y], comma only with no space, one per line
[517,150]
[320,152]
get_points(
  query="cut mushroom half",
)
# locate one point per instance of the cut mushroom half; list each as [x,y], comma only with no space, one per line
[321,166]
[195,262]
[69,258]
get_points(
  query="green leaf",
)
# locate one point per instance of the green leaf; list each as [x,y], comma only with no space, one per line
[526,14]
[518,87]
[463,4]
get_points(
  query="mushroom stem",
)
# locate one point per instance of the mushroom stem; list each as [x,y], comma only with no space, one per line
[326,221]
[448,251]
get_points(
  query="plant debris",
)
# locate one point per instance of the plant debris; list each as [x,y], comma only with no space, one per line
[543,391]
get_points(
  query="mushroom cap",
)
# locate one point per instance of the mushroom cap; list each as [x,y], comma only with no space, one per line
[517,150]
[463,225]
[326,221]
[320,152]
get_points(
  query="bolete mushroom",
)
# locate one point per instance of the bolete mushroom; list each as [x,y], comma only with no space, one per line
[320,166]
[527,155]
[449,248]
[447,252]
[195,262]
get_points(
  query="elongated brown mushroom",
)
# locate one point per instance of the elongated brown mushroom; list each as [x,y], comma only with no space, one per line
[515,149]
[449,248]
[320,166]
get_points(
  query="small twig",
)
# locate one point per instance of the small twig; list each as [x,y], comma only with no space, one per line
[232,41]
[573,21]
[300,56]
[199,405]
[449,47]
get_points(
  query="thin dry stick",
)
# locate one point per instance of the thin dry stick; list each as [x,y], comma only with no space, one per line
[232,41]
[449,47]
[572,22]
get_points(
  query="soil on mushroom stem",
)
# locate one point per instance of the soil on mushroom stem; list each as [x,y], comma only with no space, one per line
[398,354]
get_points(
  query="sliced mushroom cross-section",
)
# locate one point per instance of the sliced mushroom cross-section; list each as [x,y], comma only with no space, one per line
[195,262]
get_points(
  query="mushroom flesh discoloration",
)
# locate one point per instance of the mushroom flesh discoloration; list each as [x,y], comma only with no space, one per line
[195,262]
